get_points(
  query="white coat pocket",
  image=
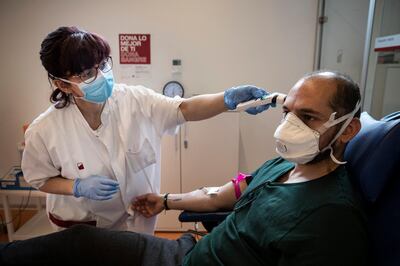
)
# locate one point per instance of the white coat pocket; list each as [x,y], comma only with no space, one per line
[142,158]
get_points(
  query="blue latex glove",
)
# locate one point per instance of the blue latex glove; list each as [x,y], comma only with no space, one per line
[244,93]
[95,187]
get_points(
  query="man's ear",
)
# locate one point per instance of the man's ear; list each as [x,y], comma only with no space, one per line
[62,86]
[351,130]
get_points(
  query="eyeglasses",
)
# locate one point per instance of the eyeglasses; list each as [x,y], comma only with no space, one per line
[90,75]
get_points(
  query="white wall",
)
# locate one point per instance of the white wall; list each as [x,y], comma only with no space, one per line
[221,43]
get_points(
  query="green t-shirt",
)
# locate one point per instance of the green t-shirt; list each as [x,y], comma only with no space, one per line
[318,222]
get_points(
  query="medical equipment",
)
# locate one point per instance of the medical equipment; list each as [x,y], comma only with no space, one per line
[14,179]
[210,190]
[236,95]
[272,98]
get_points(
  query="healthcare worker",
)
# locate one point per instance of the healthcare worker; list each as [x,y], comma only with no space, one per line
[98,146]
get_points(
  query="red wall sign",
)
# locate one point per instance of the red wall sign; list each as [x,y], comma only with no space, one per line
[134,48]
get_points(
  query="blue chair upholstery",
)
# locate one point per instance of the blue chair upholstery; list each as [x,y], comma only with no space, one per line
[373,157]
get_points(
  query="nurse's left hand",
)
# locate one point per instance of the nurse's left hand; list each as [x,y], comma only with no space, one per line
[148,204]
[244,93]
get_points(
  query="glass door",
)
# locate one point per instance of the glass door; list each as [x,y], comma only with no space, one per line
[382,90]
[342,35]
[361,38]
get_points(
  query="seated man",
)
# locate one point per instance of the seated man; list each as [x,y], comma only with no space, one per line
[298,209]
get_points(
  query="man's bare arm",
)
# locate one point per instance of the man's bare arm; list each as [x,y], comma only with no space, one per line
[200,200]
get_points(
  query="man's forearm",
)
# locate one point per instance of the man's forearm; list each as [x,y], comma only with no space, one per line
[193,201]
[203,106]
[200,201]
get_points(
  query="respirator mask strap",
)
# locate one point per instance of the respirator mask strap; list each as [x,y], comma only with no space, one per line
[331,122]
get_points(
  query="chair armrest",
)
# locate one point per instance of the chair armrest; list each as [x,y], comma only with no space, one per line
[187,216]
[208,219]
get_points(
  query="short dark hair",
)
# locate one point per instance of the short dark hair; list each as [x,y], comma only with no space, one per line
[347,91]
[68,51]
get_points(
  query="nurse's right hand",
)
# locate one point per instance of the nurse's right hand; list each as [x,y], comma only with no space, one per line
[95,187]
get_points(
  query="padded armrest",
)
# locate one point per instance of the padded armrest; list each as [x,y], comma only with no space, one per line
[208,219]
[187,216]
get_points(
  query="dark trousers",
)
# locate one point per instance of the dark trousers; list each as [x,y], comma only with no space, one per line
[89,245]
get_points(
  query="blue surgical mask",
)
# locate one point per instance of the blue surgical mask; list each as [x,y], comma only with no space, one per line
[99,90]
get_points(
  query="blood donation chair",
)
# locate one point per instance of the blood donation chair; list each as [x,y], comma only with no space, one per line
[374,163]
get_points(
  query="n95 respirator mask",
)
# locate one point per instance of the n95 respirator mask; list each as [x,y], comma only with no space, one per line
[298,143]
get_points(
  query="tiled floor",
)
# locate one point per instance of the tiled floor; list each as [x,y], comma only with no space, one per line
[19,220]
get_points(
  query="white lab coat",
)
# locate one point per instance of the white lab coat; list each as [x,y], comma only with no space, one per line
[126,147]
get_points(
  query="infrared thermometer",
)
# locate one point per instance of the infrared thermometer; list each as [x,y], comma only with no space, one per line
[267,99]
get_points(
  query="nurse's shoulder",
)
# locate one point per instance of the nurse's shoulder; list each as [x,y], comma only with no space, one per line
[136,97]
[48,119]
[137,92]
